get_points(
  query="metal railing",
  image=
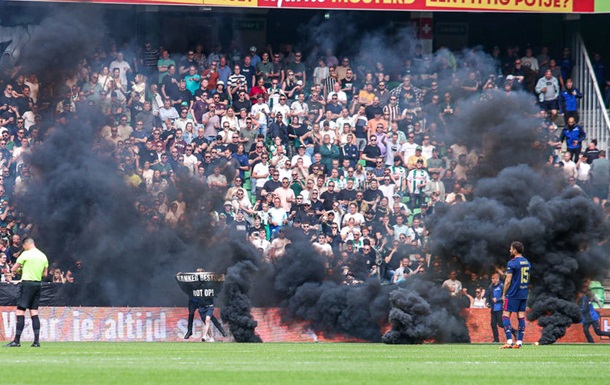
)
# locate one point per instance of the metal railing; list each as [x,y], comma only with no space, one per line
[593,113]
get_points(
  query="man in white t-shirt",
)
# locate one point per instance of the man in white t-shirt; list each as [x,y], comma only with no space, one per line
[353,213]
[299,109]
[123,67]
[260,111]
[260,173]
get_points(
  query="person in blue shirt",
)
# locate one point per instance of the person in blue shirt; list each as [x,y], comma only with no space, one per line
[590,317]
[568,101]
[514,295]
[494,299]
[573,134]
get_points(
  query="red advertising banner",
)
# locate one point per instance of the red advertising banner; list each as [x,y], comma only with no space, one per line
[169,324]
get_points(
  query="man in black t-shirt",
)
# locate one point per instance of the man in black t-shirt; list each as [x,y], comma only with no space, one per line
[371,152]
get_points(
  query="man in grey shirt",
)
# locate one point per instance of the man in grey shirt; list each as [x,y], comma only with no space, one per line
[548,89]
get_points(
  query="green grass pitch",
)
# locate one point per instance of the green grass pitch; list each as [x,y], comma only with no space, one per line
[305,363]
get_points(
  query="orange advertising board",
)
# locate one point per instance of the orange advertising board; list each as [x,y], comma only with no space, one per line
[168,324]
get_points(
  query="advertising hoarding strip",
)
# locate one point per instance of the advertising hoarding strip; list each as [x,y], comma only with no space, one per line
[522,6]
[164,324]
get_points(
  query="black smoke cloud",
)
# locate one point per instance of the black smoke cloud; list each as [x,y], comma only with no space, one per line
[422,312]
[243,264]
[63,38]
[80,204]
[83,210]
[350,34]
[516,197]
[236,310]
[502,128]
[308,294]
[561,234]
[361,311]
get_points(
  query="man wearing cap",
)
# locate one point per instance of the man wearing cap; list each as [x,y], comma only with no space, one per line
[417,179]
[435,186]
[414,159]
[399,173]
[435,163]
[254,58]
[33,265]
[301,155]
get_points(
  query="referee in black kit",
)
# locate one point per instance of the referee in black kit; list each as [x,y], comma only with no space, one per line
[33,264]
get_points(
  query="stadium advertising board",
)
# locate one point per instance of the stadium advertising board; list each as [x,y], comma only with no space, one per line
[542,6]
[545,6]
[165,324]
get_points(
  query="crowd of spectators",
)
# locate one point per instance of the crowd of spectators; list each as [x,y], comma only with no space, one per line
[353,157]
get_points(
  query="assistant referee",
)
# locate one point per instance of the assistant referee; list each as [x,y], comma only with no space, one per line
[33,264]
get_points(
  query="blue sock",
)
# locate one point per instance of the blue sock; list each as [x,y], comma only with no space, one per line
[507,328]
[521,329]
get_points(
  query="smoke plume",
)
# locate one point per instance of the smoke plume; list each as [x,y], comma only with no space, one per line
[236,309]
[422,312]
[361,311]
[560,233]
[62,39]
[243,266]
[83,209]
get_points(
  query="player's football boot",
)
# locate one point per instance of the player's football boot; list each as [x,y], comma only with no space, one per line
[507,346]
